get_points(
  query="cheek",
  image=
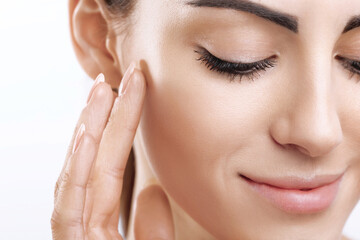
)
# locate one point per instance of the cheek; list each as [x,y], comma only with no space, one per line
[191,127]
[190,124]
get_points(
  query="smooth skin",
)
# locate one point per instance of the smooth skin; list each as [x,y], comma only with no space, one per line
[197,131]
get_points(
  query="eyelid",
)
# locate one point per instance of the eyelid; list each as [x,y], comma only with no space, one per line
[233,70]
[241,69]
[346,59]
[205,52]
[348,65]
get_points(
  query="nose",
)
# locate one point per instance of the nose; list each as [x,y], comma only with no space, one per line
[309,122]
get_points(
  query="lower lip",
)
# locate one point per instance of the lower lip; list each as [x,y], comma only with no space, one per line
[295,200]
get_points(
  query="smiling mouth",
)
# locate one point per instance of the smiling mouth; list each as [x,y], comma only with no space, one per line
[248,179]
[295,195]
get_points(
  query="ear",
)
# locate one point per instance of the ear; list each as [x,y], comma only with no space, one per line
[92,41]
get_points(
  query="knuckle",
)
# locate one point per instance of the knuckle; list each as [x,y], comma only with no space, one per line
[65,178]
[74,186]
[57,186]
[116,173]
[68,182]
[95,229]
[130,128]
[90,141]
[55,220]
[61,181]
[60,220]
[78,188]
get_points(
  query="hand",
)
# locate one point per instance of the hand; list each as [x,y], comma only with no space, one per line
[88,190]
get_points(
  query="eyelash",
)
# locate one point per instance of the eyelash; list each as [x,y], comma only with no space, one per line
[249,70]
[352,66]
[233,70]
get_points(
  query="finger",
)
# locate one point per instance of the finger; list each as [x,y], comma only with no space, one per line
[113,232]
[153,218]
[89,189]
[67,215]
[114,149]
[94,116]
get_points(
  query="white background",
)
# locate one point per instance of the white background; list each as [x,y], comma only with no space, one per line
[42,91]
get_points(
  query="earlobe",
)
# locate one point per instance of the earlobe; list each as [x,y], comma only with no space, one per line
[89,35]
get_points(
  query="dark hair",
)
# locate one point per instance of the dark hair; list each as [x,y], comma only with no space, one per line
[123,9]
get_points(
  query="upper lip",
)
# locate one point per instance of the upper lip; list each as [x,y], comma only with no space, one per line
[294,182]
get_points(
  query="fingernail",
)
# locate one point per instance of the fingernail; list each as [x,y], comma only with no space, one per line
[100,78]
[78,137]
[126,78]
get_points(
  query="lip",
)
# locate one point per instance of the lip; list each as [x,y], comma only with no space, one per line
[297,195]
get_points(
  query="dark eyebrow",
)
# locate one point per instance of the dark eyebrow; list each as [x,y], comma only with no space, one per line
[288,21]
[354,22]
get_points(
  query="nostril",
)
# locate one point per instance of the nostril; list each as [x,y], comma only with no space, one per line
[300,149]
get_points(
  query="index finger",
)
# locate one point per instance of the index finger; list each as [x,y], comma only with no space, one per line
[115,148]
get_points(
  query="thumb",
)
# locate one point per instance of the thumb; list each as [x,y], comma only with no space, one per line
[153,218]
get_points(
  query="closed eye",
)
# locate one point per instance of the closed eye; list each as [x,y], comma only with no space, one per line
[248,70]
[252,70]
[352,66]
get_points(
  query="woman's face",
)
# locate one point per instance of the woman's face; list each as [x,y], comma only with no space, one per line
[299,118]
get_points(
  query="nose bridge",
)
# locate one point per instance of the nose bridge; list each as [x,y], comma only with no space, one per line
[313,87]
[311,124]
